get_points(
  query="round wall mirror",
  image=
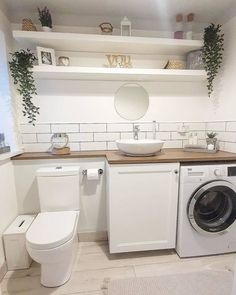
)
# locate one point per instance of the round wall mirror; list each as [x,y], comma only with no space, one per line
[131,101]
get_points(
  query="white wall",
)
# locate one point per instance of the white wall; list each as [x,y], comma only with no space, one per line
[92,193]
[7,103]
[85,101]
[8,207]
[225,89]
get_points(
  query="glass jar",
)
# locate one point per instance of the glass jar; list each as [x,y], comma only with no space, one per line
[211,143]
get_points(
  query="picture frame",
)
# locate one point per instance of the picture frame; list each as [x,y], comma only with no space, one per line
[46,56]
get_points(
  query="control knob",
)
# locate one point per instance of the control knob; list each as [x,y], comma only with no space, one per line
[217,172]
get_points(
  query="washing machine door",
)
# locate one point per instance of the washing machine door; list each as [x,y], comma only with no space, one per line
[212,208]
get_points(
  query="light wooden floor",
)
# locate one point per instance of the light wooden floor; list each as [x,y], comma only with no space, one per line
[94,264]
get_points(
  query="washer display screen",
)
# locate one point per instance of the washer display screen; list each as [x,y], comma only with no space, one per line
[232,171]
[213,207]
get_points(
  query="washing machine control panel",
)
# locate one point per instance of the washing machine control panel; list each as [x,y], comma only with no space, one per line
[197,174]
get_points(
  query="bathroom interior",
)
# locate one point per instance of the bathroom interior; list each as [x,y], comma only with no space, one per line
[117,147]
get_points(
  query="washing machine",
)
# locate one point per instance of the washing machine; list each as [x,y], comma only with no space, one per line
[207,210]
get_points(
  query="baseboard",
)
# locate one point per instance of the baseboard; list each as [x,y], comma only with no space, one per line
[3,270]
[93,236]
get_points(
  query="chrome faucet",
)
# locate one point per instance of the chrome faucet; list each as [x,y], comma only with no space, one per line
[136,130]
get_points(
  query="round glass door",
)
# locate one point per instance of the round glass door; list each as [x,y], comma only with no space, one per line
[212,208]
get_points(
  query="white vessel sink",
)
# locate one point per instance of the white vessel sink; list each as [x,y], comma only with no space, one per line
[142,147]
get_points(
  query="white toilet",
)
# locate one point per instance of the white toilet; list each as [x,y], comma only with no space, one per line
[52,238]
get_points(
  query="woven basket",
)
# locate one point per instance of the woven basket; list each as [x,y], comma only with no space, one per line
[27,25]
[175,65]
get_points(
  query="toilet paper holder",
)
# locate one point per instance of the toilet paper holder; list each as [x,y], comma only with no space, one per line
[100,171]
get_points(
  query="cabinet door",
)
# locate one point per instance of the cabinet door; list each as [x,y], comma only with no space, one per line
[142,206]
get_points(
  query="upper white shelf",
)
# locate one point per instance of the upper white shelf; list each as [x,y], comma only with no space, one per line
[117,74]
[106,43]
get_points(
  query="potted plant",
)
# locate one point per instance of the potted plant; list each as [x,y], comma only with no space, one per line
[21,71]
[45,19]
[211,141]
[212,53]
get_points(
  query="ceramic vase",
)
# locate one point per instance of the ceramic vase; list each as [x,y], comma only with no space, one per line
[46,29]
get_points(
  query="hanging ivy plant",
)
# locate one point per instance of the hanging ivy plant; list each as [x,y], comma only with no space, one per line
[212,53]
[21,71]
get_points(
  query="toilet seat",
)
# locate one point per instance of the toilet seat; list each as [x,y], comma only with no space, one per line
[51,229]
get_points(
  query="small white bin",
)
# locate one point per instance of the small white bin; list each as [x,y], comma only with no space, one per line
[14,243]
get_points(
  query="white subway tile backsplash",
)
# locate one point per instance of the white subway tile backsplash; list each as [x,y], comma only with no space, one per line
[221,145]
[44,137]
[74,147]
[106,136]
[147,126]
[111,145]
[215,126]
[96,146]
[29,138]
[159,135]
[169,126]
[102,136]
[93,127]
[36,147]
[38,128]
[173,144]
[227,136]
[119,127]
[130,135]
[231,126]
[230,147]
[79,137]
[177,135]
[195,126]
[64,128]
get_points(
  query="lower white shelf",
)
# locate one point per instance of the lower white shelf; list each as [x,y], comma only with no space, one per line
[117,74]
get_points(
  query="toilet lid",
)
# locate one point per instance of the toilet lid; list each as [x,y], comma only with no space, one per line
[51,229]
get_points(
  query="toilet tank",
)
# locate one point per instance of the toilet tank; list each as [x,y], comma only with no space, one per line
[58,188]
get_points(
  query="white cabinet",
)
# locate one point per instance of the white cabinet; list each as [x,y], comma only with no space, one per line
[142,206]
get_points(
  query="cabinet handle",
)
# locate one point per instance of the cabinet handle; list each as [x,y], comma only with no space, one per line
[176,171]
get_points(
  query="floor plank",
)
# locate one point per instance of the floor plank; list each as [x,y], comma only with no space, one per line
[94,266]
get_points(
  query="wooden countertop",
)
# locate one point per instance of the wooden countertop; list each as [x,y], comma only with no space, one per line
[48,156]
[116,157]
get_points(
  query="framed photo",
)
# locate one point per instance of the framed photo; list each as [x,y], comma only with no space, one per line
[46,56]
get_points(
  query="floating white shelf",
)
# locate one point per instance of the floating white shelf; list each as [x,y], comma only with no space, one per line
[107,44]
[117,74]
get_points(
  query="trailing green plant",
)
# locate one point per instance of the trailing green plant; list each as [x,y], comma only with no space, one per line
[211,134]
[212,53]
[21,71]
[45,17]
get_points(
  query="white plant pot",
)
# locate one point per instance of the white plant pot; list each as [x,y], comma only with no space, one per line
[46,29]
